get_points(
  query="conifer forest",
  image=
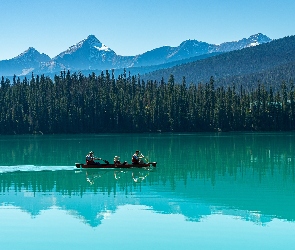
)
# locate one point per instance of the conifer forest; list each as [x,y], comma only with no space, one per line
[75,103]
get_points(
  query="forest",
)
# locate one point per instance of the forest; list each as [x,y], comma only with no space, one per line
[75,103]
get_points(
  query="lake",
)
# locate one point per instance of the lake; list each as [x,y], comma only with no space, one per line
[208,191]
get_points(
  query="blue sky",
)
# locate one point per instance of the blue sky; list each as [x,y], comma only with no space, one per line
[131,27]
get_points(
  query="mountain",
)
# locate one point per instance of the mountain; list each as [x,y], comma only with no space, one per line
[23,63]
[252,41]
[194,48]
[269,62]
[91,54]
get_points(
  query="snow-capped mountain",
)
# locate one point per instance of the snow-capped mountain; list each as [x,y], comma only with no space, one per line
[253,40]
[91,54]
[87,54]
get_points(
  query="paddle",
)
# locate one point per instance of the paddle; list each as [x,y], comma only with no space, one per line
[107,162]
[144,157]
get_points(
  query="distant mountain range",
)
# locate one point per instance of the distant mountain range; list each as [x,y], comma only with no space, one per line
[90,55]
[270,63]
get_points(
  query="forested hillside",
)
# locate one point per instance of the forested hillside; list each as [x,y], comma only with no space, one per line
[271,77]
[269,63]
[74,103]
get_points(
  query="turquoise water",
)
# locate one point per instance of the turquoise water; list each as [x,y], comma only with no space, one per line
[208,191]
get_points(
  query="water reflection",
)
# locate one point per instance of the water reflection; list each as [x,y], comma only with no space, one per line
[94,194]
[120,175]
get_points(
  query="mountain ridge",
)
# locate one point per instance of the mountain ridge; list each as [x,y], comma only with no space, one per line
[92,54]
[268,62]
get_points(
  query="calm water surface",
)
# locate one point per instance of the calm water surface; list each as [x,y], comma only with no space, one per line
[208,191]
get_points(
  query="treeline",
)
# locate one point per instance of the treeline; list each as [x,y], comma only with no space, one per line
[74,103]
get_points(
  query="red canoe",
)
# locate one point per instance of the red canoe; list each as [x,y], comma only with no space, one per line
[109,165]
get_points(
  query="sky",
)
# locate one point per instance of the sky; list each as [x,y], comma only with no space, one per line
[132,27]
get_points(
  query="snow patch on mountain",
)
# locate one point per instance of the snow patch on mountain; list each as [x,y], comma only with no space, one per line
[102,48]
[253,44]
[26,71]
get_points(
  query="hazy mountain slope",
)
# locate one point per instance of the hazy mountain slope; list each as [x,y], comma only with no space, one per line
[236,63]
[147,69]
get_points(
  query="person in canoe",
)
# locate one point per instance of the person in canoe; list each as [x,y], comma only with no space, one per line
[117,160]
[137,157]
[90,159]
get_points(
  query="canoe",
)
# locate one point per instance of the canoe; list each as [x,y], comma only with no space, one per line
[109,165]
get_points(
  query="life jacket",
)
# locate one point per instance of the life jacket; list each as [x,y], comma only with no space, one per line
[135,159]
[89,160]
[117,162]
